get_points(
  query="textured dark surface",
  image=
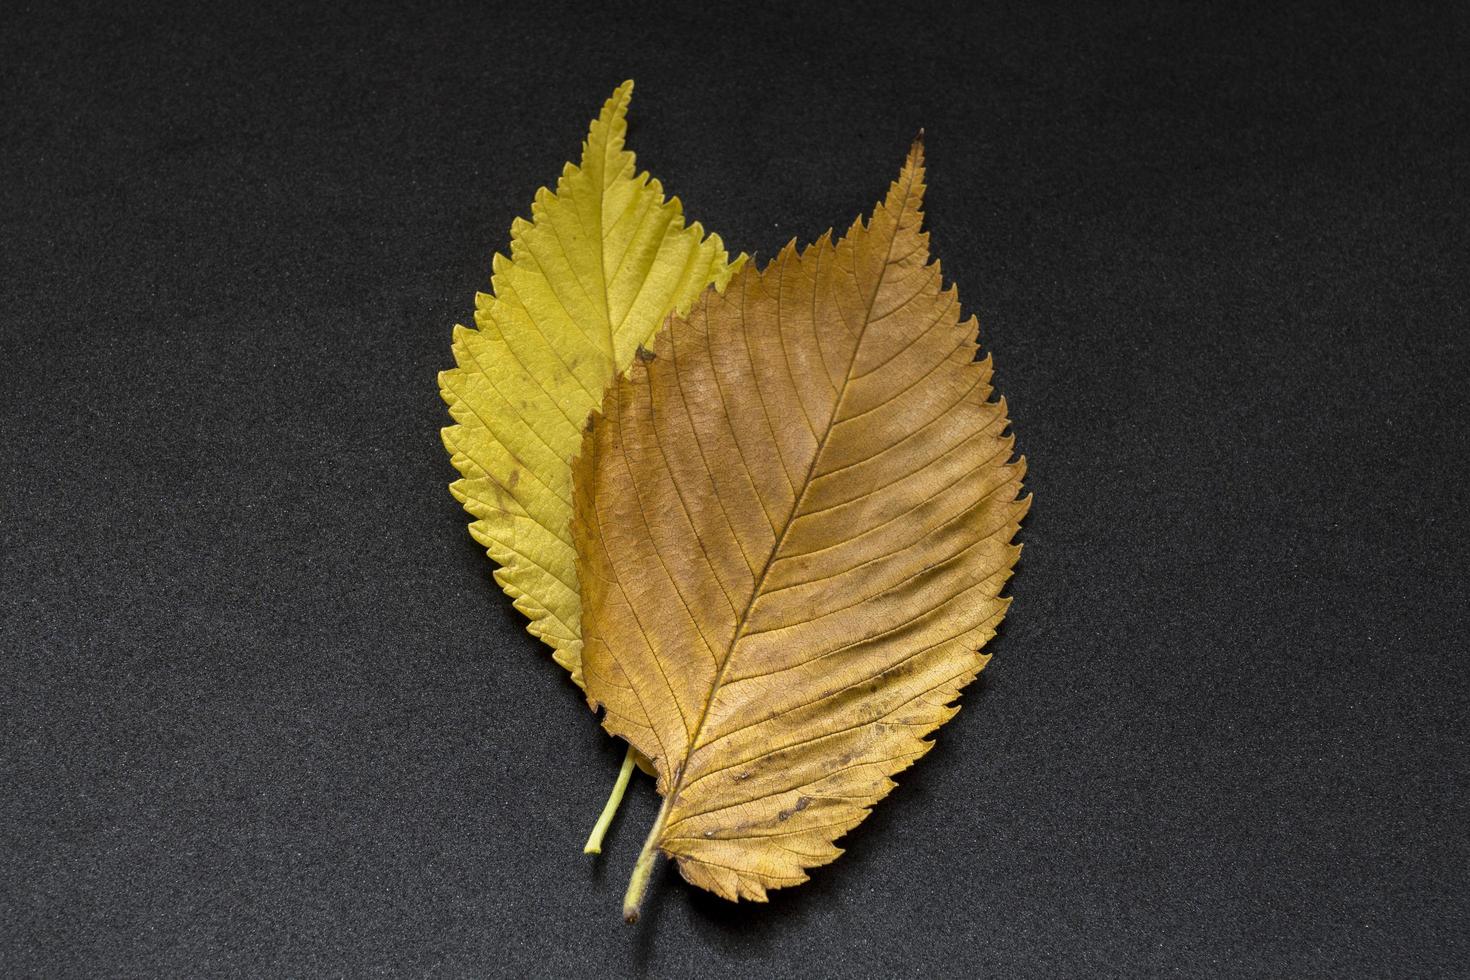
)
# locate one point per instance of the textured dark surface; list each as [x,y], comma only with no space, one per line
[264,712]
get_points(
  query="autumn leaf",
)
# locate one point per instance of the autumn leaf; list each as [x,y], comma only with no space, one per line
[794,521]
[590,278]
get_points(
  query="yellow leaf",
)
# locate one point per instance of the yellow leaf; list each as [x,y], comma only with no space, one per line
[590,278]
[794,521]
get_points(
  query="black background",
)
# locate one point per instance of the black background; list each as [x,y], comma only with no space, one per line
[265,712]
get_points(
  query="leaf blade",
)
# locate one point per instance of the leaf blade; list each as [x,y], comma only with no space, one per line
[794,523]
[582,289]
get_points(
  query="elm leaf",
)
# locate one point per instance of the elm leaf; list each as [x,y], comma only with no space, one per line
[590,278]
[794,519]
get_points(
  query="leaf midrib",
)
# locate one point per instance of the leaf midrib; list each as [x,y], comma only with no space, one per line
[756,589]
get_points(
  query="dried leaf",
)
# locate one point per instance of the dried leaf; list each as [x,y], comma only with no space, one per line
[589,280]
[793,524]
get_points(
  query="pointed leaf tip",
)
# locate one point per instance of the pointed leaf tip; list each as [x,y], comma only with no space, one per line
[916,152]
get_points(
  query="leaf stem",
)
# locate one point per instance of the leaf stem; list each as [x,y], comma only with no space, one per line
[647,861]
[610,809]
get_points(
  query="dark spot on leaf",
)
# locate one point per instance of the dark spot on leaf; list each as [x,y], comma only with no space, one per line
[802,803]
[644,354]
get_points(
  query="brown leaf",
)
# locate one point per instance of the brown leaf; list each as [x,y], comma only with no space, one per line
[793,524]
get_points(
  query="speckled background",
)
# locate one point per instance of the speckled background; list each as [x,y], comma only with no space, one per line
[263,712]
